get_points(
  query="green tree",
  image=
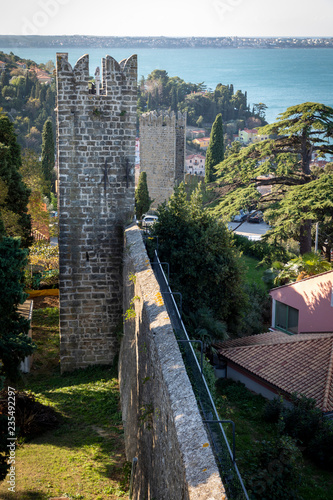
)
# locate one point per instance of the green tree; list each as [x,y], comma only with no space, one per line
[283,164]
[48,155]
[204,265]
[142,200]
[15,344]
[215,151]
[17,194]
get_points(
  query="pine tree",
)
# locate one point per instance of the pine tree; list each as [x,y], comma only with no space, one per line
[215,151]
[48,155]
[283,163]
[142,200]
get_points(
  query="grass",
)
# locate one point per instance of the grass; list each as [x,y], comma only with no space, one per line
[237,403]
[84,457]
[253,273]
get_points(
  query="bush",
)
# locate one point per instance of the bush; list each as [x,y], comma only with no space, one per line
[274,470]
[303,420]
[266,252]
[257,312]
[273,410]
[31,417]
[320,448]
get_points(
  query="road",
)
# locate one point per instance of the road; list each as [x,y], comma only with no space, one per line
[251,231]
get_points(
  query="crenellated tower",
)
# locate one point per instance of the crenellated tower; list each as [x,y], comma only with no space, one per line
[96,129]
[162,152]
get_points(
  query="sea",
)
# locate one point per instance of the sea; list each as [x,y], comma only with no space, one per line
[278,78]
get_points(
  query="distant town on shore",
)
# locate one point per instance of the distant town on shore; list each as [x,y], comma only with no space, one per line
[164,42]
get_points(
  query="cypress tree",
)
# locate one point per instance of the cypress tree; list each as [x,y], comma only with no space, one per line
[215,151]
[17,197]
[48,155]
[142,200]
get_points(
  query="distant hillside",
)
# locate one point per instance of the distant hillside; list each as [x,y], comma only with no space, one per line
[27,95]
[8,41]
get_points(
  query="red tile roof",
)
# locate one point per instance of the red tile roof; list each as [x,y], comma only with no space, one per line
[190,157]
[292,363]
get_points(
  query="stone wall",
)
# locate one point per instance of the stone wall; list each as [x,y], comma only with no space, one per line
[96,147]
[162,152]
[163,426]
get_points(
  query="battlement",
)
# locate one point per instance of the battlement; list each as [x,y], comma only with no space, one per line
[114,75]
[163,118]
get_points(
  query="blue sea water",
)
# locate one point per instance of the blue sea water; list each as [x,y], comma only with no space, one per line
[279,77]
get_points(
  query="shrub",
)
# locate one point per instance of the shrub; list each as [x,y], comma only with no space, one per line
[266,252]
[303,420]
[320,448]
[274,470]
[257,312]
[31,417]
[272,410]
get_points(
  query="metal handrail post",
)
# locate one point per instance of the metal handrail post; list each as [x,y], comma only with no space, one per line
[233,433]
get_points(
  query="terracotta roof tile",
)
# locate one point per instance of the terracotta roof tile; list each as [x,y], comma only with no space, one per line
[299,363]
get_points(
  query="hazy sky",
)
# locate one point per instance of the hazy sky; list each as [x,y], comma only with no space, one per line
[168,17]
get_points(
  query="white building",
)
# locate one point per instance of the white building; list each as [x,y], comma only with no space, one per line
[195,164]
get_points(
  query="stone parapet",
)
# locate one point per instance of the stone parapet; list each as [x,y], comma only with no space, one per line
[162,422]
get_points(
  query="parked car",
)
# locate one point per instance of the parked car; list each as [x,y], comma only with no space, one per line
[241,216]
[148,220]
[255,217]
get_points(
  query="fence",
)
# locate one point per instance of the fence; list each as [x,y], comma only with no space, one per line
[225,457]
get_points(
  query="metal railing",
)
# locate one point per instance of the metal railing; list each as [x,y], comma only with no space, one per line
[225,457]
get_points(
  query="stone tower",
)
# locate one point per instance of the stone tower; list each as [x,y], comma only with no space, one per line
[162,152]
[96,129]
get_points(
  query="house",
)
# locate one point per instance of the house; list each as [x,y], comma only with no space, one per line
[304,306]
[203,142]
[21,65]
[297,354]
[248,136]
[195,164]
[193,133]
[276,363]
[42,76]
[2,65]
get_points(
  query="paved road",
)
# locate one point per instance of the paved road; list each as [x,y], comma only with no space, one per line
[251,231]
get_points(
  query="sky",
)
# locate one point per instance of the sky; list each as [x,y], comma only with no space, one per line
[248,18]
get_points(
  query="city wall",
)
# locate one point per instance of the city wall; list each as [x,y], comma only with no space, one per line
[162,423]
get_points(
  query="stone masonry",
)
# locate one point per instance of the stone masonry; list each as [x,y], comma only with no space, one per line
[162,423]
[162,152]
[96,131]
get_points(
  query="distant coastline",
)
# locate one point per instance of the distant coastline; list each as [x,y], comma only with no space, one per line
[40,41]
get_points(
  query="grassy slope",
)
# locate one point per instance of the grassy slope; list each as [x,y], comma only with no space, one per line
[253,273]
[84,457]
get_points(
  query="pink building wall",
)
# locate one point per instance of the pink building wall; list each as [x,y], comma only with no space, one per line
[313,299]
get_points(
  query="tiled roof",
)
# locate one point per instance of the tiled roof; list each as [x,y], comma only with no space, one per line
[190,157]
[292,363]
